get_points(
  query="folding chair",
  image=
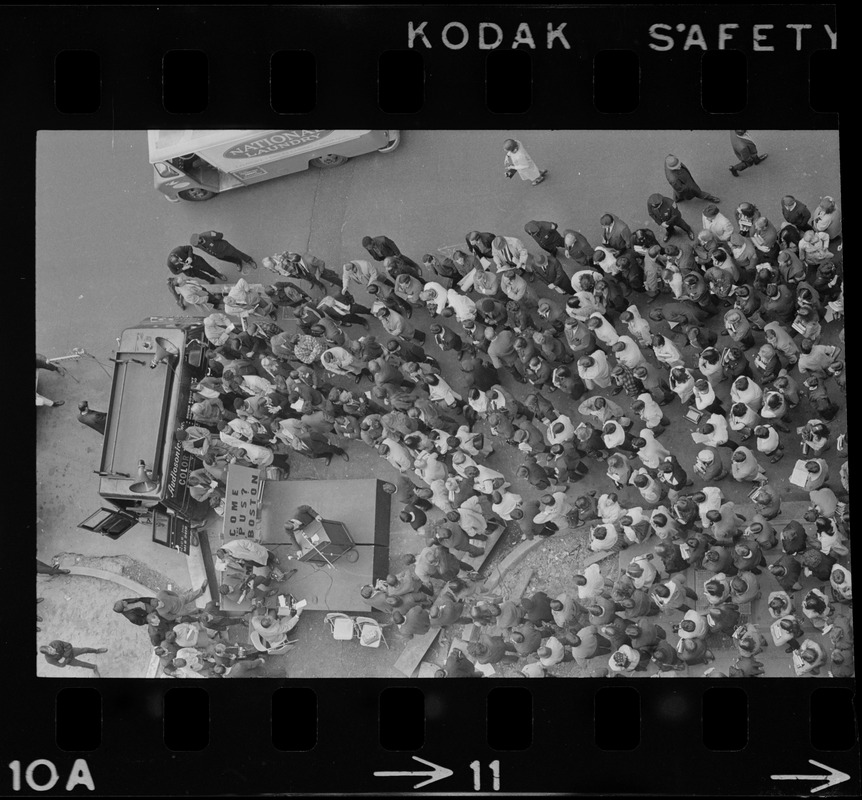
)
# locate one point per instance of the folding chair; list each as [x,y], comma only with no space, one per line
[369,632]
[341,625]
[271,648]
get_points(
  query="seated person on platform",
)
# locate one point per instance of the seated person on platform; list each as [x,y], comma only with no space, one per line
[304,515]
[273,629]
[247,552]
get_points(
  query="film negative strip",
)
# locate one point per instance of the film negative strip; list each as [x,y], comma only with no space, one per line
[597,433]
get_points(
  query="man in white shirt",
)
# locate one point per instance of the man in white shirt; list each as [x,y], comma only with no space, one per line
[556,508]
[710,498]
[508,253]
[463,306]
[714,221]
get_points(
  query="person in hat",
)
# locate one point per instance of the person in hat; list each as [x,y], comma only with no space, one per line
[214,243]
[666,214]
[745,150]
[548,269]
[683,184]
[518,160]
[92,419]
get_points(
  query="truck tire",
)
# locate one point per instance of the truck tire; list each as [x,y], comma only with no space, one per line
[196,195]
[327,161]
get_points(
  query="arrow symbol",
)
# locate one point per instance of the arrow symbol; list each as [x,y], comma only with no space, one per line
[834,777]
[437,773]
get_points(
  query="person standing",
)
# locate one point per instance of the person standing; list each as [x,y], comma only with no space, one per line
[683,184]
[796,213]
[380,247]
[136,609]
[62,654]
[546,235]
[665,213]
[746,151]
[183,260]
[518,160]
[171,606]
[217,246]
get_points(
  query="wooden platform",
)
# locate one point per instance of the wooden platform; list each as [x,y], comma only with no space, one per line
[364,509]
[410,659]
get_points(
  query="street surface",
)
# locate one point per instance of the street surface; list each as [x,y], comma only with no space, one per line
[104,232]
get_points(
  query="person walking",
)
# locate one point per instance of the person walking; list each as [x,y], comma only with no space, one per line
[518,160]
[62,654]
[214,243]
[746,151]
[44,363]
[683,184]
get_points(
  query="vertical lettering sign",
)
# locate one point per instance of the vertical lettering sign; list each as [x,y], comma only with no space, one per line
[177,494]
[242,502]
[182,464]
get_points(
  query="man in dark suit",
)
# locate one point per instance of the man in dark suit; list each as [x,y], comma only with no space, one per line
[480,243]
[546,235]
[665,213]
[796,213]
[379,247]
[136,609]
[616,235]
[547,268]
[577,248]
[217,246]
[683,184]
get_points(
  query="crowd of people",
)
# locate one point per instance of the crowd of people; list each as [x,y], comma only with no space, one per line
[580,355]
